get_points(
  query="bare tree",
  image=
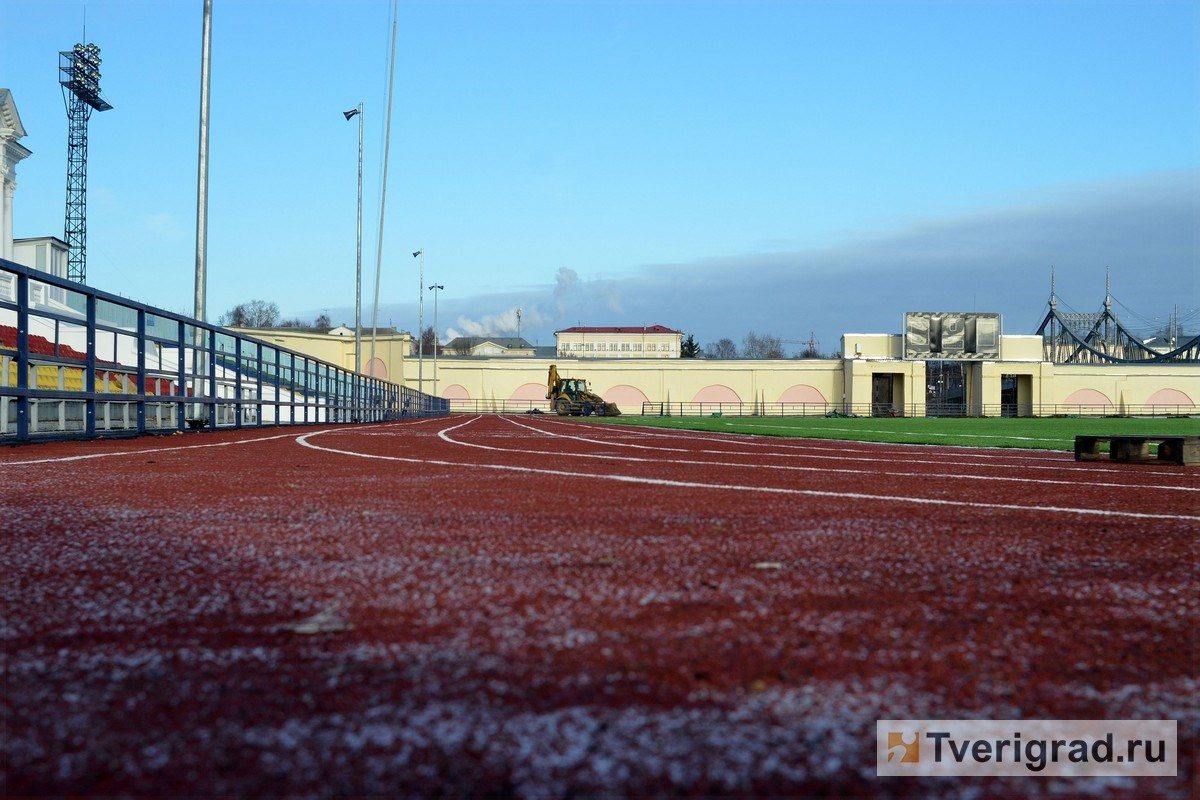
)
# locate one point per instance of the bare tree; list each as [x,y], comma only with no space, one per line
[428,341]
[253,314]
[323,323]
[722,348]
[762,346]
[464,345]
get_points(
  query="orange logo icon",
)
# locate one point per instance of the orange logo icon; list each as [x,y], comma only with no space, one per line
[902,750]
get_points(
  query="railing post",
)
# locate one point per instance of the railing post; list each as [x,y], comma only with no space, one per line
[278,390]
[302,382]
[212,377]
[182,387]
[89,368]
[237,382]
[258,385]
[22,357]
[141,371]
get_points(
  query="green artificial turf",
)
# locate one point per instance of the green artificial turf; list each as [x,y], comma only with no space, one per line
[1049,433]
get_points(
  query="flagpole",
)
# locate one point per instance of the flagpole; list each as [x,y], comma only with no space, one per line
[387,141]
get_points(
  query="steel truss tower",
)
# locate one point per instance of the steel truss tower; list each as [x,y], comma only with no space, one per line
[1102,338]
[79,75]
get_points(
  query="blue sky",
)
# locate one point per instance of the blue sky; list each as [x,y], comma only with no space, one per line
[717,167]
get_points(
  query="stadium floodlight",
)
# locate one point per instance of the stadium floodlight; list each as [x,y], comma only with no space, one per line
[349,115]
[79,76]
[79,73]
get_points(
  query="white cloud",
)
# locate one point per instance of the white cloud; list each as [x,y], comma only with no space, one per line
[996,259]
[503,324]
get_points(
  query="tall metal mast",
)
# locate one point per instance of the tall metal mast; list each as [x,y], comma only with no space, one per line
[79,75]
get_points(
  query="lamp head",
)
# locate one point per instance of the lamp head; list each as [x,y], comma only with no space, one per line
[418,253]
[350,114]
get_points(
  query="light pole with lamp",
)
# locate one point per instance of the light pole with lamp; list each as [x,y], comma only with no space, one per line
[420,256]
[435,288]
[351,114]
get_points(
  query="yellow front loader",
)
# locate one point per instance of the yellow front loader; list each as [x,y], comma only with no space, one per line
[571,396]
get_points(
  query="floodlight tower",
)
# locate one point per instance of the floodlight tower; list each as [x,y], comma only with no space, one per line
[79,74]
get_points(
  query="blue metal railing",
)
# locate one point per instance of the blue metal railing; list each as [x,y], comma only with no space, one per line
[75,361]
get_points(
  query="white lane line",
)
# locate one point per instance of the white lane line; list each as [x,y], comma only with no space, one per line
[634,479]
[89,456]
[1045,459]
[62,459]
[1051,459]
[914,433]
[1032,454]
[791,468]
[841,458]
[808,444]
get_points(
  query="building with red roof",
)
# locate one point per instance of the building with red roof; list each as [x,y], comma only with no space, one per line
[642,341]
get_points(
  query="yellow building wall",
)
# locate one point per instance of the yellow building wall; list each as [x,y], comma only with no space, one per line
[1125,386]
[908,395]
[674,380]
[872,345]
[1021,348]
[391,349]
[842,382]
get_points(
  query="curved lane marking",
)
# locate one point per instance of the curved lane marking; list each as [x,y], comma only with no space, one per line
[634,479]
[1053,459]
[89,456]
[765,440]
[795,468]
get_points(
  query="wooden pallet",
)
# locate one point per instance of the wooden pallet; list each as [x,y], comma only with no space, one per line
[1171,449]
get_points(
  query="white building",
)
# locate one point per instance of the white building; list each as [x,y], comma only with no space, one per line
[654,341]
[11,152]
[488,346]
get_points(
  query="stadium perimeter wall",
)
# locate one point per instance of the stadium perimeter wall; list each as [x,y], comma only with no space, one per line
[845,383]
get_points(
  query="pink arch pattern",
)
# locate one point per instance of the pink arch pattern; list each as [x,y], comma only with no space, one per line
[529,391]
[628,398]
[1170,397]
[1087,397]
[802,393]
[456,392]
[377,369]
[716,393]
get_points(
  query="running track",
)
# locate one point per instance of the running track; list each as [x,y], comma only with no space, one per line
[544,607]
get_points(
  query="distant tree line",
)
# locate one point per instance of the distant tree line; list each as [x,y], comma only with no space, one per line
[262,314]
[754,345]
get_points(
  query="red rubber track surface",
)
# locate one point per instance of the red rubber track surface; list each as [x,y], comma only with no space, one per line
[492,605]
